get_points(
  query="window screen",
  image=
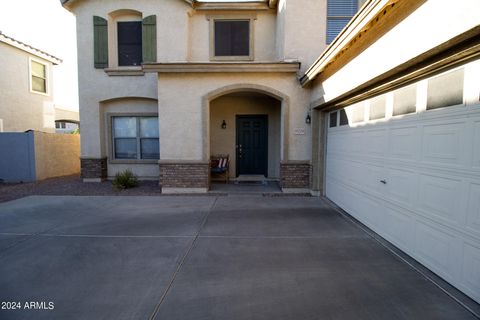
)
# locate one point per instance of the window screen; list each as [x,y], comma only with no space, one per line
[135,137]
[445,90]
[129,43]
[339,13]
[232,38]
[39,77]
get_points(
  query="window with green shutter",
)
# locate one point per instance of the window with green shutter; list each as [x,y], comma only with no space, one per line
[100,42]
[135,43]
[149,39]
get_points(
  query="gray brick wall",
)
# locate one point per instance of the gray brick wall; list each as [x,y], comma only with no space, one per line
[94,168]
[295,175]
[184,175]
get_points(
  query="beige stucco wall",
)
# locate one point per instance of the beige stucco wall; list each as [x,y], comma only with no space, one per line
[56,154]
[183,111]
[20,108]
[183,35]
[223,141]
[301,30]
[446,18]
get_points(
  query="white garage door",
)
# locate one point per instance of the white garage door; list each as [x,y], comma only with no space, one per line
[413,179]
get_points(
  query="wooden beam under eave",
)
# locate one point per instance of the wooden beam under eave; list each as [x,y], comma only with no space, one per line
[450,54]
[388,17]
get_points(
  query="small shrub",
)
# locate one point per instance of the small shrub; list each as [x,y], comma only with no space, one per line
[125,180]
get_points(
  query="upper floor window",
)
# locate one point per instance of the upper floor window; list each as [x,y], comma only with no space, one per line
[129,43]
[339,13]
[125,39]
[38,74]
[231,39]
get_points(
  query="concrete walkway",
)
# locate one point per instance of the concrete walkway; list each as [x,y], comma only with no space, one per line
[202,257]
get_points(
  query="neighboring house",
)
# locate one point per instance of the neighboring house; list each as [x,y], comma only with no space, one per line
[386,122]
[66,121]
[26,87]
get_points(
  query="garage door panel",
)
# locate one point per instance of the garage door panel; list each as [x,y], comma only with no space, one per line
[439,198]
[473,214]
[476,145]
[430,204]
[399,229]
[436,249]
[471,270]
[372,176]
[375,142]
[401,185]
[443,143]
[402,143]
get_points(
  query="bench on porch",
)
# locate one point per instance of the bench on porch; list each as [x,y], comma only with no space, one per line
[219,167]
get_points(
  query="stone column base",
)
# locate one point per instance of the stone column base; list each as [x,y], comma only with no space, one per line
[295,175]
[93,169]
[180,176]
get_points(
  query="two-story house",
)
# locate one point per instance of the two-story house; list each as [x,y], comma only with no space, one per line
[166,84]
[26,87]
[379,112]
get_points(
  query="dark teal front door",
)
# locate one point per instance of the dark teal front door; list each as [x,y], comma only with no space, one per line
[252,144]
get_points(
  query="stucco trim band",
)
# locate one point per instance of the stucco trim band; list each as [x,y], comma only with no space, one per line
[203,67]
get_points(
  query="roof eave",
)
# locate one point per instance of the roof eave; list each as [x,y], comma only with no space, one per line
[358,23]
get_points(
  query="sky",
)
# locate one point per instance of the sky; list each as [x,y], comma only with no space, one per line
[46,25]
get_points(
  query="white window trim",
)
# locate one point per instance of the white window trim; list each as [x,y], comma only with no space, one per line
[237,17]
[47,76]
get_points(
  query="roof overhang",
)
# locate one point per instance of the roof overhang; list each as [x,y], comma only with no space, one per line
[450,54]
[212,5]
[29,49]
[371,22]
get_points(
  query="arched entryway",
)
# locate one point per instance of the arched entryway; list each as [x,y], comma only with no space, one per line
[247,122]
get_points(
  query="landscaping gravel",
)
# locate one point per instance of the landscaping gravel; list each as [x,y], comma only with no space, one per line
[74,186]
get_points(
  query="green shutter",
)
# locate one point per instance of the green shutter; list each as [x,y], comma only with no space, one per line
[100,42]
[149,39]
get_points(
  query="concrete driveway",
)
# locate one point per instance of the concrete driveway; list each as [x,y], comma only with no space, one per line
[202,257]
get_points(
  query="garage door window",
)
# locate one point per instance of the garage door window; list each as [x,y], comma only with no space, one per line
[343,117]
[333,119]
[445,90]
[405,100]
[377,108]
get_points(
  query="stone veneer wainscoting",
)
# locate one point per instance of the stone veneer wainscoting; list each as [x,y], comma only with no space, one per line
[93,169]
[184,176]
[295,176]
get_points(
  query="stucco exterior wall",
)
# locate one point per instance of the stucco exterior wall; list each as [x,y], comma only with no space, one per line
[223,141]
[20,108]
[301,33]
[447,18]
[184,111]
[56,154]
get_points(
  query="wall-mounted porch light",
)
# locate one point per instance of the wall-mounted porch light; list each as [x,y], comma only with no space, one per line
[308,119]
[224,125]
